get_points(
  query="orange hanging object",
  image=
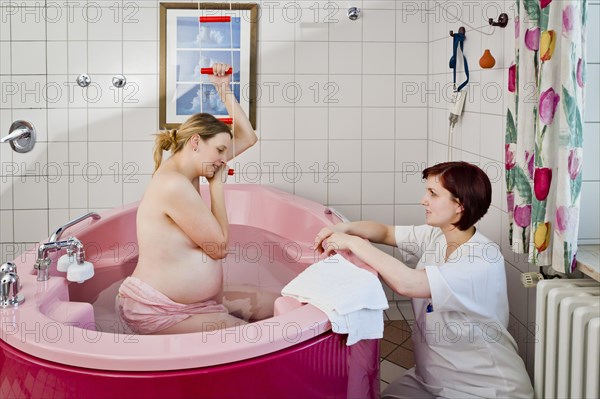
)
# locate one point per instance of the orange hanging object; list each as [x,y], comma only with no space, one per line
[487,60]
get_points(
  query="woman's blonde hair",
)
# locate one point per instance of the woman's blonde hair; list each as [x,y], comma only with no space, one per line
[202,124]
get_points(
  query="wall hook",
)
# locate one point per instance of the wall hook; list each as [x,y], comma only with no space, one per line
[502,20]
[460,30]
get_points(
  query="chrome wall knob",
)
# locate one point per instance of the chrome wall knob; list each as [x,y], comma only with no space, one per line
[353,13]
[83,80]
[119,81]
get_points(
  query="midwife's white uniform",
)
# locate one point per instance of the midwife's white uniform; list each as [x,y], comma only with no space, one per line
[462,348]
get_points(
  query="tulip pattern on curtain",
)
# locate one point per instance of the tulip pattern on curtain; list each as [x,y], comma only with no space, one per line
[543,144]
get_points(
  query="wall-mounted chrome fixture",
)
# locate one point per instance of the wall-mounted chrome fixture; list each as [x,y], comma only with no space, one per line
[353,13]
[9,290]
[21,136]
[74,247]
[119,81]
[8,267]
[83,80]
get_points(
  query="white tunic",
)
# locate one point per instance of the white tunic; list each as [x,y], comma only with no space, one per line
[462,347]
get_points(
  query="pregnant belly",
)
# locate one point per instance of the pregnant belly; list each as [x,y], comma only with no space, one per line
[190,282]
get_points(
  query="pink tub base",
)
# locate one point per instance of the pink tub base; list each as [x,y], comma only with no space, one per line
[59,343]
[323,367]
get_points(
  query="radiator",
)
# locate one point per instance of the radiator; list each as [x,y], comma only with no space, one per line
[567,346]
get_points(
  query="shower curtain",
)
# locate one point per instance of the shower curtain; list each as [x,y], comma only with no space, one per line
[543,145]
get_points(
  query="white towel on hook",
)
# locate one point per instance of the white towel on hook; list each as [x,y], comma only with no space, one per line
[351,297]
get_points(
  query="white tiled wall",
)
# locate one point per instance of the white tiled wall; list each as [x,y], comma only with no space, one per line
[479,135]
[358,131]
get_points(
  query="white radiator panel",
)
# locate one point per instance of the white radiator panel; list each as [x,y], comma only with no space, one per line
[592,381]
[566,311]
[565,345]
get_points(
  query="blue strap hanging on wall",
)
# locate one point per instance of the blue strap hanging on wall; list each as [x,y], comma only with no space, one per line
[459,40]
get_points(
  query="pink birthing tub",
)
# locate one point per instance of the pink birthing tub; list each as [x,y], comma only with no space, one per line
[65,340]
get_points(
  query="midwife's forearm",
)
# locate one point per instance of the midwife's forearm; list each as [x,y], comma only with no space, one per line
[399,277]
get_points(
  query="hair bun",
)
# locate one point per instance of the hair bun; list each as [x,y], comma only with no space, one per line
[173,136]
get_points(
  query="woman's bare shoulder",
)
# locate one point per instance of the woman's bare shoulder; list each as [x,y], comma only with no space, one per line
[167,182]
[175,193]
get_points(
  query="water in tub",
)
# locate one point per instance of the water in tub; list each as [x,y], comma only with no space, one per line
[259,264]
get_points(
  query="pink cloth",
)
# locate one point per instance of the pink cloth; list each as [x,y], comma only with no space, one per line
[147,310]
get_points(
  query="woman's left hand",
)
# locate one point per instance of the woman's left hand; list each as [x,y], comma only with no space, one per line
[243,132]
[219,77]
[220,175]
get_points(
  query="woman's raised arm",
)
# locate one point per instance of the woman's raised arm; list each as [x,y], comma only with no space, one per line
[244,135]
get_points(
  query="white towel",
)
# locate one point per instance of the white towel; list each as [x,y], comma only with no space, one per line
[350,296]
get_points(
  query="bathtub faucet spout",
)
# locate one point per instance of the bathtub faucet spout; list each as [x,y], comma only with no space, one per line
[56,235]
[43,262]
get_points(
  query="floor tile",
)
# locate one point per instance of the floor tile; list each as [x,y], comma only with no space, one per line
[386,347]
[390,371]
[396,347]
[401,324]
[395,335]
[402,357]
[408,344]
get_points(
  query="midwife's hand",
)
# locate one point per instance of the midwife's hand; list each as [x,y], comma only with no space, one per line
[338,242]
[325,233]
[320,237]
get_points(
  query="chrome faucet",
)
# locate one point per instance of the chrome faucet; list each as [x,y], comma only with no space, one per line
[43,262]
[56,236]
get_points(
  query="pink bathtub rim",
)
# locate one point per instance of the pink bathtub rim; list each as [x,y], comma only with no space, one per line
[31,331]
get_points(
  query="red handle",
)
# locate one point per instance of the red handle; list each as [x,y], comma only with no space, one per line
[227,121]
[209,71]
[215,19]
